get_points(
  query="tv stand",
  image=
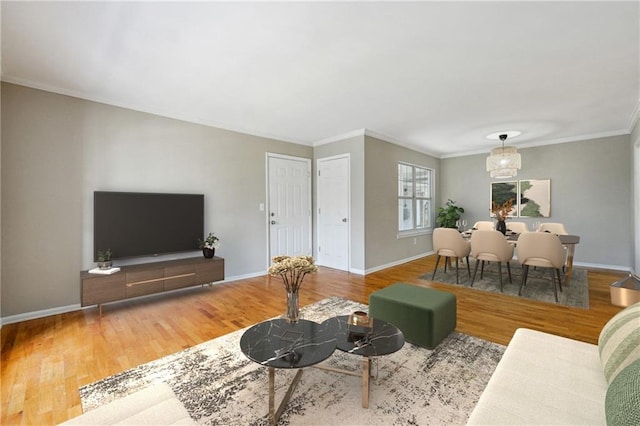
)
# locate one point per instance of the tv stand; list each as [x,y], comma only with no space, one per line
[149,278]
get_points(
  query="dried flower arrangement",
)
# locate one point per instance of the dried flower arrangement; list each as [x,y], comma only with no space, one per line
[501,211]
[292,270]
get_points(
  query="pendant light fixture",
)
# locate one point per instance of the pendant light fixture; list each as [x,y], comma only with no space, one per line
[504,162]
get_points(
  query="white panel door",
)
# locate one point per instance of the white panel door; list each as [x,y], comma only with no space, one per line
[333,212]
[289,206]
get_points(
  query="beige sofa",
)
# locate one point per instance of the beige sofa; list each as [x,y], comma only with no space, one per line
[547,379]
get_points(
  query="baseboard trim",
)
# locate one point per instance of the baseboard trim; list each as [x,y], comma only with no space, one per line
[397,262]
[77,307]
[40,314]
[602,266]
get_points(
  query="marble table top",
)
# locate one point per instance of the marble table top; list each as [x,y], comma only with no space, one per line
[382,338]
[280,344]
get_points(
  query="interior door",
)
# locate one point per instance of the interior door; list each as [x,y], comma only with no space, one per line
[333,212]
[289,205]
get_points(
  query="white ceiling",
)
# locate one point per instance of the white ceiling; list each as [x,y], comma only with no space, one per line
[434,76]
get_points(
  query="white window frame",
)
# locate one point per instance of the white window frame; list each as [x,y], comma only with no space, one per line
[413,199]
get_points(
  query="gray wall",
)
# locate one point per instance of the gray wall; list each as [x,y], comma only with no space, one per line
[57,150]
[635,185]
[383,246]
[590,193]
[353,146]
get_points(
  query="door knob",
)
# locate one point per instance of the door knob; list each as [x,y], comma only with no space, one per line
[344,219]
[273,222]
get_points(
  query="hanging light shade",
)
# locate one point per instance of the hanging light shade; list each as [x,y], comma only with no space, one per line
[504,162]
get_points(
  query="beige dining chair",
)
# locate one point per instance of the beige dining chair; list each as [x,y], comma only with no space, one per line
[484,225]
[448,243]
[517,227]
[554,228]
[490,246]
[541,249]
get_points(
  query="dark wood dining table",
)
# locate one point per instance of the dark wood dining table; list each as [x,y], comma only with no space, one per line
[569,241]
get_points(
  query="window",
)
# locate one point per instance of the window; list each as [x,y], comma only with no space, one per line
[415,198]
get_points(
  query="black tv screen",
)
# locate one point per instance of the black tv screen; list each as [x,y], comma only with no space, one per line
[146,224]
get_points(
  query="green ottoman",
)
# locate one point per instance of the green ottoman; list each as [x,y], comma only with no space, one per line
[424,315]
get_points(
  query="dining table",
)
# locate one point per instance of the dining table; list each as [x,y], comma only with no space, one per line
[568,241]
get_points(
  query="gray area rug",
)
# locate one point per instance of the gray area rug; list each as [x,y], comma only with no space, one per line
[539,286]
[219,386]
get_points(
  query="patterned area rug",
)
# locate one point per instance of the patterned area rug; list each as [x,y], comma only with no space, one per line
[219,386]
[539,286]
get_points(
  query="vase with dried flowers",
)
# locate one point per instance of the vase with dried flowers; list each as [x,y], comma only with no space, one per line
[501,212]
[292,270]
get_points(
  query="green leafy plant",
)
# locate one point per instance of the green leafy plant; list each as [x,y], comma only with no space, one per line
[449,215]
[211,242]
[104,255]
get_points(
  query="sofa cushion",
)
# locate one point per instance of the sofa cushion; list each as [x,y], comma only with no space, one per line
[619,341]
[623,397]
[544,379]
[154,405]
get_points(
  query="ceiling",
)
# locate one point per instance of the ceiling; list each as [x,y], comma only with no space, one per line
[434,76]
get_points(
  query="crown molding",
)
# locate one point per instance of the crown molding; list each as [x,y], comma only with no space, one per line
[341,137]
[545,142]
[138,108]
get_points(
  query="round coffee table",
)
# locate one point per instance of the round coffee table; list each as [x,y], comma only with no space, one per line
[278,343]
[382,338]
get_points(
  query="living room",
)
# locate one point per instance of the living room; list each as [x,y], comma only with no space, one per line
[59,146]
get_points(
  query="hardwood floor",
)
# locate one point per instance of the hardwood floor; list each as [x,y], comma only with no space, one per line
[45,361]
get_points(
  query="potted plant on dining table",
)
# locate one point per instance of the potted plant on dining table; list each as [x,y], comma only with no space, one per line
[501,213]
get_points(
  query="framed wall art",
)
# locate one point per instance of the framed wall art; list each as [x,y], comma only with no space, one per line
[501,192]
[534,198]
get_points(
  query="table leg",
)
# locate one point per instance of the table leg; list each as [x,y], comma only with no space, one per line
[366,374]
[569,271]
[272,396]
[274,415]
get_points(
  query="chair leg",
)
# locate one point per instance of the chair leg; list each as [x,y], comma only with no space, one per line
[482,270]
[559,279]
[475,271]
[457,281]
[468,267]
[555,288]
[509,270]
[447,261]
[436,268]
[500,274]
[525,270]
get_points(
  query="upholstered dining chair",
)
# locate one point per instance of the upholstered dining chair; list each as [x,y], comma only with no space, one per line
[490,246]
[484,225]
[554,228]
[517,227]
[447,243]
[541,249]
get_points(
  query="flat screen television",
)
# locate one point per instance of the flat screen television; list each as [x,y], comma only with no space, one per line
[136,224]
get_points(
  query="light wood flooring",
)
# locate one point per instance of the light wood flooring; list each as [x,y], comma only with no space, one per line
[45,361]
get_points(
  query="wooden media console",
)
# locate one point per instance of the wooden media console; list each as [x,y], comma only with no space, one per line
[149,278]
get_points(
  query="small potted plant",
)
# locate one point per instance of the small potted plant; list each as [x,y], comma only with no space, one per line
[104,259]
[209,245]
